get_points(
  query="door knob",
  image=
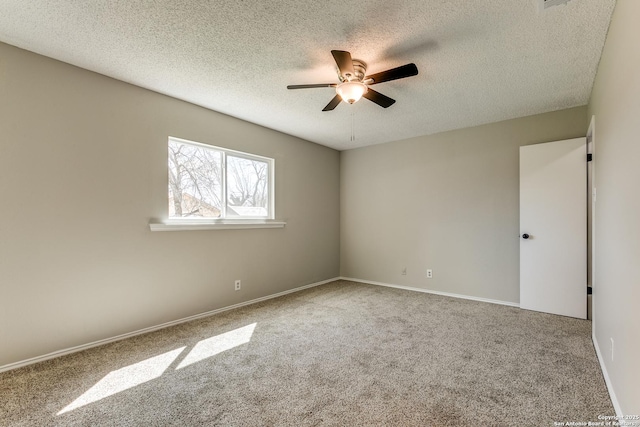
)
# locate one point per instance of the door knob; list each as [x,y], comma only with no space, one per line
[525,236]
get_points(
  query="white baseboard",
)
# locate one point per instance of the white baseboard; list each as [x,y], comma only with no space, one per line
[78,348]
[428,291]
[605,374]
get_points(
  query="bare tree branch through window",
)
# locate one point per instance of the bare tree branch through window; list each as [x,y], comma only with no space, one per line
[199,177]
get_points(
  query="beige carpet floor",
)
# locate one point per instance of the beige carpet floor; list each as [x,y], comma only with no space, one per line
[341,354]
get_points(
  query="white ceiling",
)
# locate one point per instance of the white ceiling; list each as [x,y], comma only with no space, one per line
[480,61]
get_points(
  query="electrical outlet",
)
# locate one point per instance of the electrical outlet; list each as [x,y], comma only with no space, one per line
[238,284]
[612,349]
[404,271]
[429,274]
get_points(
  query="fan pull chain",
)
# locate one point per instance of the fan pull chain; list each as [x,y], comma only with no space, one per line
[353,133]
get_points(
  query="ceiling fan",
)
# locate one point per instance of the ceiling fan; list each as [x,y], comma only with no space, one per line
[354,84]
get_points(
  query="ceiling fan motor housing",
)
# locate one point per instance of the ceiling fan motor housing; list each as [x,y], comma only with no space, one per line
[359,70]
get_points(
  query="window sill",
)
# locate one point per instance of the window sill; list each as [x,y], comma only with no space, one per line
[219,225]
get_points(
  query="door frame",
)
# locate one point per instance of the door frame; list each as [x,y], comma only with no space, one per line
[592,197]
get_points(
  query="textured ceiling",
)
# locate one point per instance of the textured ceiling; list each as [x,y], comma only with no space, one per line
[480,61]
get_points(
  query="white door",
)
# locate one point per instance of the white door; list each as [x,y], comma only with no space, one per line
[553,227]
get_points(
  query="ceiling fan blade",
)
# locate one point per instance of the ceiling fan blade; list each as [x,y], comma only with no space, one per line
[333,103]
[393,74]
[380,99]
[344,61]
[312,86]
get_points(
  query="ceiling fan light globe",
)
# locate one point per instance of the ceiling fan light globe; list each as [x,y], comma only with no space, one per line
[351,92]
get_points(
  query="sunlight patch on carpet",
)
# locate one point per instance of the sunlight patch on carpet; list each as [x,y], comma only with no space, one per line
[125,378]
[215,345]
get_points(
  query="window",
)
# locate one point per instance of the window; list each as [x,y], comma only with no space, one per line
[216,184]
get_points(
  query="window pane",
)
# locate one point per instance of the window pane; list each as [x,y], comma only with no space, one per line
[195,181]
[247,187]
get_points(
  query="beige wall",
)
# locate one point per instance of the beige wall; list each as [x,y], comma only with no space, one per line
[83,169]
[448,202]
[615,102]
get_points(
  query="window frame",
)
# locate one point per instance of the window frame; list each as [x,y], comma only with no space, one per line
[224,221]
[270,184]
